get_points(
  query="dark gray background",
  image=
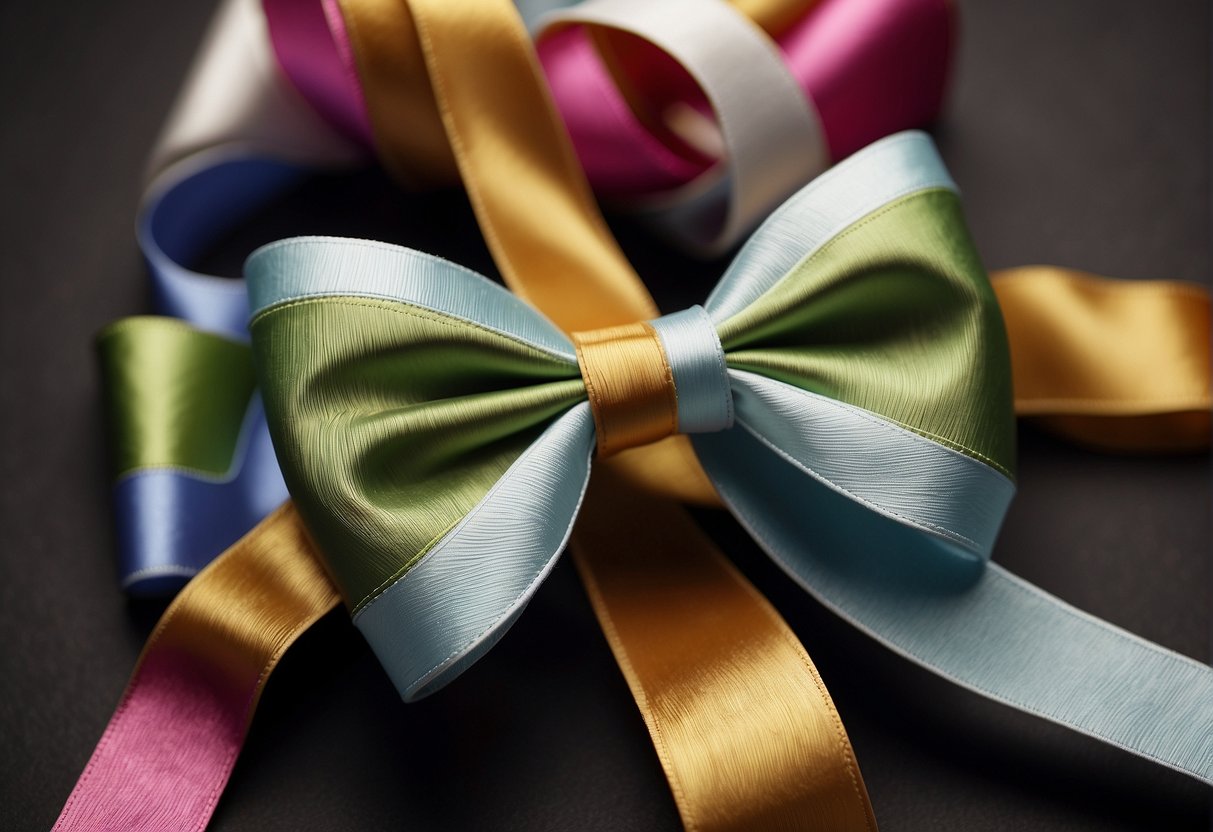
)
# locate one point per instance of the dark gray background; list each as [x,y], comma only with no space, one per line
[1079,132]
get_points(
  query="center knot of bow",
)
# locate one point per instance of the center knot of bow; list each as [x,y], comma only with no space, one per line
[646,381]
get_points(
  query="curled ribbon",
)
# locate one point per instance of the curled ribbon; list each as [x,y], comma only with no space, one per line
[848,389]
[726,110]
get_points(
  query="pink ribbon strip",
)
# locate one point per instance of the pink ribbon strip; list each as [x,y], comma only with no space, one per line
[313,49]
[166,754]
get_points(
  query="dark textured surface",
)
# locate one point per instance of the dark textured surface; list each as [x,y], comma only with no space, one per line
[1079,133]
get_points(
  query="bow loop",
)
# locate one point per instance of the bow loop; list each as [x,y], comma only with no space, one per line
[893,315]
[650,380]
[393,415]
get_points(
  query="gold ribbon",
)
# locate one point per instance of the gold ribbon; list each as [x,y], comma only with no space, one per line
[268,594]
[630,386]
[239,615]
[743,725]
[1115,364]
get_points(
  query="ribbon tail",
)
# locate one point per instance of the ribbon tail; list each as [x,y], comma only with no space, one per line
[976,625]
[174,737]
[712,667]
[1115,364]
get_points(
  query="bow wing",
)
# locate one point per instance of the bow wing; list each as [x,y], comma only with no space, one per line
[870,376]
[433,431]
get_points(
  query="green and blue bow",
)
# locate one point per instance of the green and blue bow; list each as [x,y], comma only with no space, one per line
[848,391]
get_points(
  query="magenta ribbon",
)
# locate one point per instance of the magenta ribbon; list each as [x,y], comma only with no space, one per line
[313,48]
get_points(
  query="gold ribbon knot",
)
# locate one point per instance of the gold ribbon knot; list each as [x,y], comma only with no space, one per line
[630,385]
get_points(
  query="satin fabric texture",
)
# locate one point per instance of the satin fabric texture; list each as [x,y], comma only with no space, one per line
[220,157]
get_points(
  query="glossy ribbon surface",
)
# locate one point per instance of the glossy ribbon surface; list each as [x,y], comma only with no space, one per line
[1116,364]
[777,145]
[224,175]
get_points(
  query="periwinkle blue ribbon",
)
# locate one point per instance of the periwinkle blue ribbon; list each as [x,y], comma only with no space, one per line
[170,523]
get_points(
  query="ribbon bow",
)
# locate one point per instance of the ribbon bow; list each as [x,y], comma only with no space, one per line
[437,432]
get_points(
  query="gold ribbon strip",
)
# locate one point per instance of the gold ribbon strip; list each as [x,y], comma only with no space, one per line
[701,650]
[1115,364]
[261,594]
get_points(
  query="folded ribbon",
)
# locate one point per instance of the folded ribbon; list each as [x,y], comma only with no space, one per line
[727,109]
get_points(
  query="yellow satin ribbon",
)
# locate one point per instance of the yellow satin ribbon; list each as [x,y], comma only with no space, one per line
[629,384]
[742,723]
[774,16]
[239,616]
[1115,364]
